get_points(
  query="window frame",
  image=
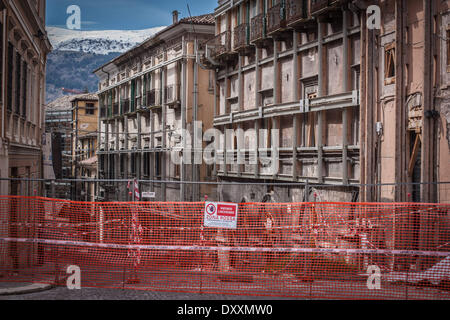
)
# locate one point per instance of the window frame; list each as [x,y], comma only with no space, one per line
[389,53]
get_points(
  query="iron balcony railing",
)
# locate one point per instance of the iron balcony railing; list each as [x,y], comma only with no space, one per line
[276,18]
[220,44]
[241,36]
[295,10]
[258,27]
[318,5]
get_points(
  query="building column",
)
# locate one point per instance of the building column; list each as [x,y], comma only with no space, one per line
[164,132]
[275,73]
[320,94]
[345,89]
[183,91]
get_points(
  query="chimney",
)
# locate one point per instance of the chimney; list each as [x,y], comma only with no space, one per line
[175,16]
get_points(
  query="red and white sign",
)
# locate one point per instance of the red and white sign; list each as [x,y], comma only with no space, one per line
[220,215]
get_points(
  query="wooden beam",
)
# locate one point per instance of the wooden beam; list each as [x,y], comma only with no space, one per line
[415,152]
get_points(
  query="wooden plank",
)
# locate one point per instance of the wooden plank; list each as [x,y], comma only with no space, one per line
[415,152]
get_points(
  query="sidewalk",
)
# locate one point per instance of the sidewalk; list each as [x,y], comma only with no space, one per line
[15,288]
[25,282]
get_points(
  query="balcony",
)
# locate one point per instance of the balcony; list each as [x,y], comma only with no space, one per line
[220,45]
[172,94]
[242,37]
[321,6]
[258,29]
[276,19]
[296,12]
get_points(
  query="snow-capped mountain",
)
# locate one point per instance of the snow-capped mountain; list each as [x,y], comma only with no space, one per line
[77,53]
[98,42]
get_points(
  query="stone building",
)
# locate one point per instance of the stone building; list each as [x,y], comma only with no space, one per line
[84,116]
[147,96]
[353,105]
[23,49]
[58,125]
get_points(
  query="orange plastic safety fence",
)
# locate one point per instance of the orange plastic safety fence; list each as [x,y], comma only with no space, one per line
[310,250]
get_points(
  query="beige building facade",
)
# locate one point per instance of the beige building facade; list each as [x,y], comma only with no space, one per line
[84,145]
[352,105]
[23,49]
[147,97]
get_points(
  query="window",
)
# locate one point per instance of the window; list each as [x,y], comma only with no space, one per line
[1,62]
[102,162]
[10,75]
[389,64]
[158,165]
[25,89]
[146,164]
[133,164]
[310,88]
[18,82]
[448,49]
[90,109]
[111,167]
[122,164]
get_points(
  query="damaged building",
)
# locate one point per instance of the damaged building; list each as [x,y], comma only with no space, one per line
[147,96]
[355,106]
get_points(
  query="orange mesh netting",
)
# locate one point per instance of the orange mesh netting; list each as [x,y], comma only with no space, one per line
[310,250]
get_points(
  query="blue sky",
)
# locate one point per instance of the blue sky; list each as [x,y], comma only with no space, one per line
[125,14]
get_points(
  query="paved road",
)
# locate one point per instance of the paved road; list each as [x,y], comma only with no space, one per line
[62,293]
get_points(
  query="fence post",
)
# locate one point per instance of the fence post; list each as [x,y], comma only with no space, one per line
[306,197]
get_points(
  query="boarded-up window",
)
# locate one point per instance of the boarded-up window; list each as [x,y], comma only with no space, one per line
[389,64]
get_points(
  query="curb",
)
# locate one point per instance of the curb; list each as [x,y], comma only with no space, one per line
[32,288]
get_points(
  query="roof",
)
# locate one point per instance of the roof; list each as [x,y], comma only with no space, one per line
[85,97]
[206,19]
[62,103]
[65,102]
[203,19]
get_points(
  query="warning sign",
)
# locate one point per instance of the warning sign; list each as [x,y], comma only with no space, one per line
[221,215]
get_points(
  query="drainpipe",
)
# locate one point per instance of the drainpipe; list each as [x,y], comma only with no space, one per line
[195,168]
[183,120]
